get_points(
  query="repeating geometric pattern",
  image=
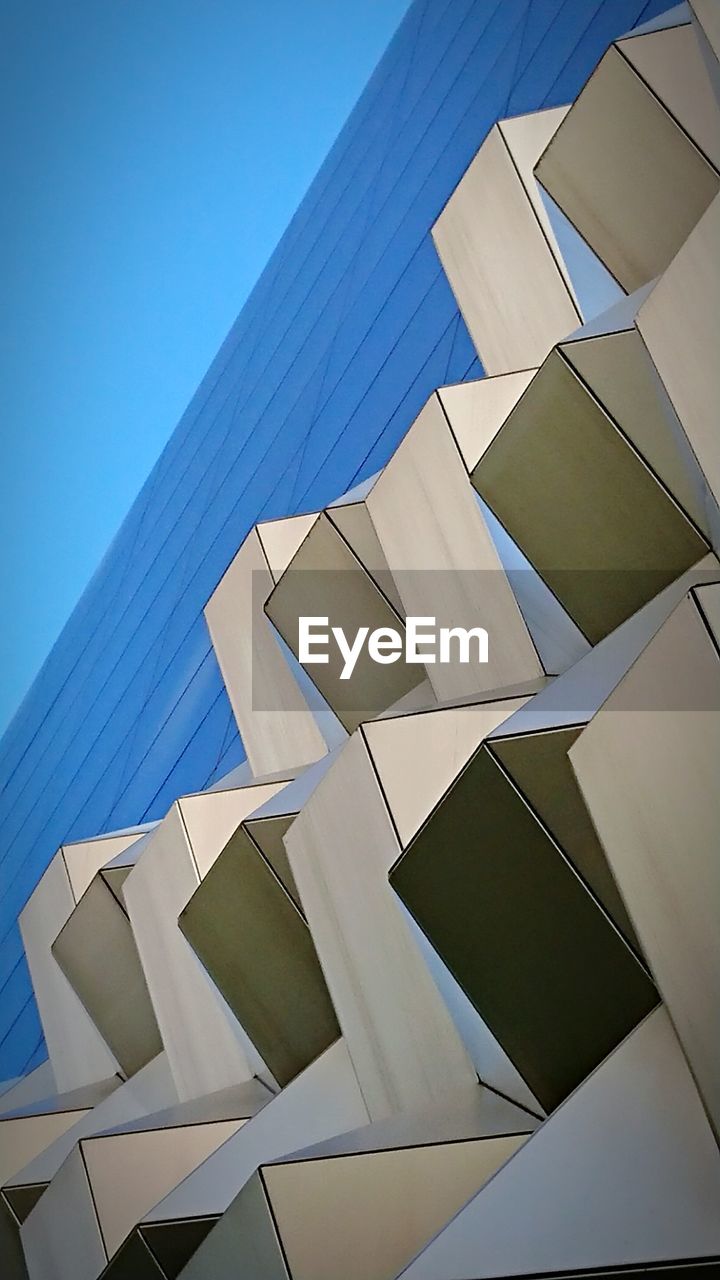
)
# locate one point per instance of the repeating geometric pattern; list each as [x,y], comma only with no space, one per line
[348,331]
[428,986]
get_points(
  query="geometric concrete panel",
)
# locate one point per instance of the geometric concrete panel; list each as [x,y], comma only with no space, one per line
[278,728]
[557,639]
[625,1174]
[206,1047]
[61,1236]
[210,818]
[269,833]
[399,1034]
[680,325]
[499,253]
[494,1069]
[476,410]
[148,1091]
[548,973]
[26,1132]
[706,23]
[252,939]
[326,579]
[472,1112]
[428,985]
[134,1261]
[96,951]
[83,858]
[649,777]
[575,696]
[352,520]
[582,505]
[245,1242]
[77,1051]
[636,193]
[540,769]
[323,1101]
[443,559]
[617,370]
[171,1245]
[126,1170]
[417,756]
[670,63]
[21,1200]
[129,1172]
[280,540]
[405,1176]
[322,1207]
[707,17]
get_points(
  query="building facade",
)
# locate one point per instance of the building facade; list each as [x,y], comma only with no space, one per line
[350,327]
[360,833]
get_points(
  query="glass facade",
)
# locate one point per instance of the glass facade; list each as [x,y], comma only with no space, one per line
[350,327]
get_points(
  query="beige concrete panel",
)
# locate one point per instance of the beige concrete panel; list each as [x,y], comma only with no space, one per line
[367,1215]
[671,63]
[633,193]
[255,671]
[526,137]
[649,778]
[353,521]
[152,1089]
[22,1138]
[503,270]
[619,372]
[474,1112]
[421,698]
[680,325]
[84,858]
[268,834]
[97,953]
[258,950]
[61,1237]
[77,1051]
[206,1047]
[492,1064]
[130,1172]
[324,1100]
[241,1239]
[707,15]
[400,1036]
[211,818]
[240,1101]
[578,693]
[243,1243]
[477,410]
[280,540]
[326,579]
[539,767]
[417,757]
[626,1171]
[444,560]
[554,474]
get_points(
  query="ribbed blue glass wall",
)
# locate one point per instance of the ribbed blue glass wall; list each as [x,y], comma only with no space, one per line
[349,328]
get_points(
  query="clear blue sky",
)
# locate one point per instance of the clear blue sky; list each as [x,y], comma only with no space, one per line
[151,154]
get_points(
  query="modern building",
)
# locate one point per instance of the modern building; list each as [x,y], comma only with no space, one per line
[348,330]
[414,973]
